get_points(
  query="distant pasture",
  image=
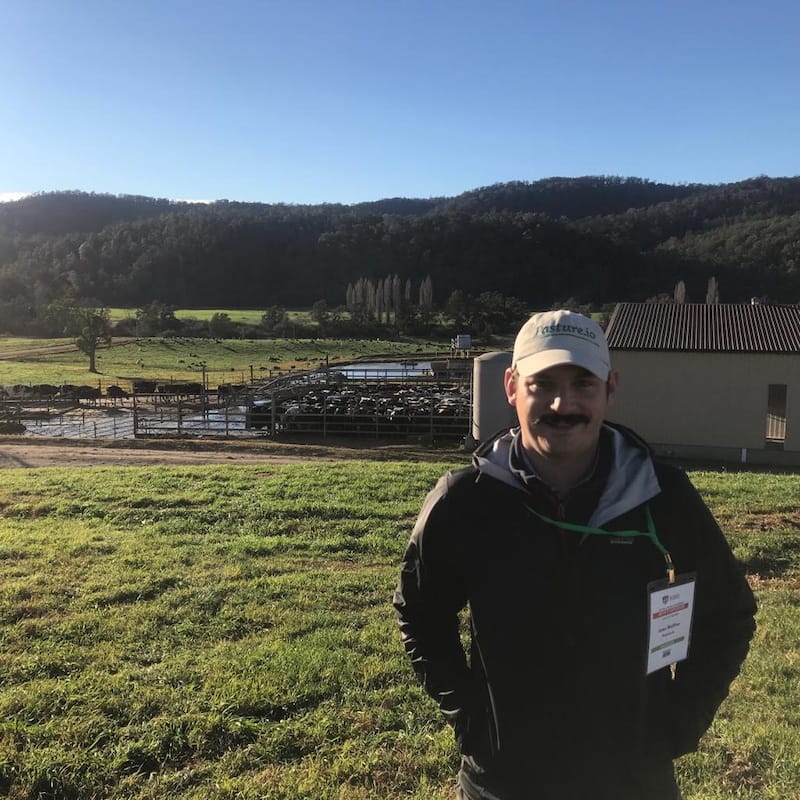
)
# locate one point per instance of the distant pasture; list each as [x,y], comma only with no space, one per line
[182,358]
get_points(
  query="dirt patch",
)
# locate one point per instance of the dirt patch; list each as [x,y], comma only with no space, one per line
[21,453]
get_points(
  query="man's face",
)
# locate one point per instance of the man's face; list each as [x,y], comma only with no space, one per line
[560,409]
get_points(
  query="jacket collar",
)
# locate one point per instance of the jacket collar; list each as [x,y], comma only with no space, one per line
[631,479]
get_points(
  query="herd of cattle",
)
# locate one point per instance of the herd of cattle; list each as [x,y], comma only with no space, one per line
[436,411]
[433,410]
[46,392]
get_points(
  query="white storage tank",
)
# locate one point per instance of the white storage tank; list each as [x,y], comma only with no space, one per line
[490,409]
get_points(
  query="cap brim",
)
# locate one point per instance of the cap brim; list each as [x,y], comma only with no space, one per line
[530,365]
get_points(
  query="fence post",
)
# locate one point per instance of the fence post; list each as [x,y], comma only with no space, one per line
[135,418]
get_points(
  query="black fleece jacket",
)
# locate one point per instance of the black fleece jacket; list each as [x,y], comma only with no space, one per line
[553,701]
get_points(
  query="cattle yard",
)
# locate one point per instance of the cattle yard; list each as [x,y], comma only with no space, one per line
[433,404]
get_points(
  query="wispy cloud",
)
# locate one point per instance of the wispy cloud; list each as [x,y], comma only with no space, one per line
[5,197]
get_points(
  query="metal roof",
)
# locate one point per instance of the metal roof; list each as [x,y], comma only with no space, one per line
[700,327]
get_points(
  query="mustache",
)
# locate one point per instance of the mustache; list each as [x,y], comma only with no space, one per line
[563,419]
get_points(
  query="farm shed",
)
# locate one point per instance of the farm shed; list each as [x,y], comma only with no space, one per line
[719,381]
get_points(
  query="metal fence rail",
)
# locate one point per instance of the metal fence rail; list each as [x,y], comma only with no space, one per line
[80,425]
[180,418]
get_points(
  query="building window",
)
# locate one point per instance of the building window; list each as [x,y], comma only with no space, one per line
[776,415]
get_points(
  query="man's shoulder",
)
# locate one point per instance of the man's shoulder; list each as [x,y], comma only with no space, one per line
[457,483]
[671,477]
[679,505]
[463,493]
[473,481]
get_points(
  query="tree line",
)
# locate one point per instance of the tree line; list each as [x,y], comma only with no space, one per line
[585,241]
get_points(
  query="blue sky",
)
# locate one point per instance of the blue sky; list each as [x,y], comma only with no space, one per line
[306,101]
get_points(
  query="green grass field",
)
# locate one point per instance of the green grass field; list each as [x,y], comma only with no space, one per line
[226,360]
[240,316]
[226,632]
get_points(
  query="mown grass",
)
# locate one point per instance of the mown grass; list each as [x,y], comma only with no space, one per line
[226,632]
[209,633]
[225,360]
[753,749]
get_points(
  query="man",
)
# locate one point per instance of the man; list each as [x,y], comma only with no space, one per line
[608,616]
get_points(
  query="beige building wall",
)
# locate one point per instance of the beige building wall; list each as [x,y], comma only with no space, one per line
[704,399]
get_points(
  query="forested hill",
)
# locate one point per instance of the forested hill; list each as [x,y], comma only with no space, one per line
[591,240]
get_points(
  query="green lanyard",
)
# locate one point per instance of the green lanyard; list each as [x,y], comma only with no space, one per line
[650,533]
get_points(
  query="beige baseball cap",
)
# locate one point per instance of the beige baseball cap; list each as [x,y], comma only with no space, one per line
[561,337]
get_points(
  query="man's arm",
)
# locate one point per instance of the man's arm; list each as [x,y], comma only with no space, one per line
[429,596]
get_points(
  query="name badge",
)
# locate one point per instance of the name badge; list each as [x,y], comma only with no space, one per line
[670,609]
